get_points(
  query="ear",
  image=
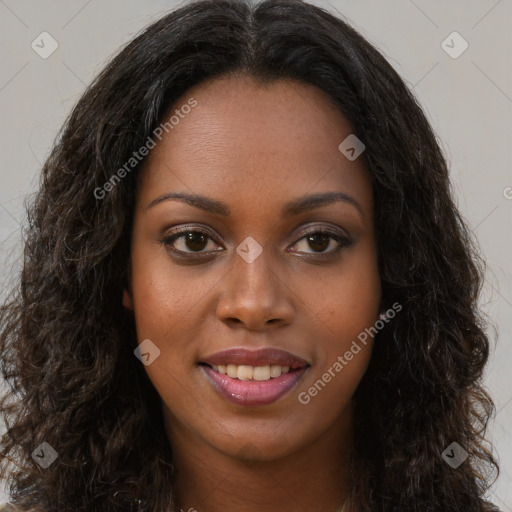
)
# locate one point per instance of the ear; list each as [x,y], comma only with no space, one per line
[127,300]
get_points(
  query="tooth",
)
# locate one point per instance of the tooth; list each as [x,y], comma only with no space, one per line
[275,371]
[245,372]
[261,373]
[232,370]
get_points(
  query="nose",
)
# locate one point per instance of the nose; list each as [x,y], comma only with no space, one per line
[254,296]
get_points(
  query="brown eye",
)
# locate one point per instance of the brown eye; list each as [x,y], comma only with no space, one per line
[190,241]
[321,240]
[318,241]
[195,241]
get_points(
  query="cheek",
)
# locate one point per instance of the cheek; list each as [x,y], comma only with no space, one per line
[327,396]
[346,312]
[165,299]
[164,295]
[164,302]
[344,308]
[345,301]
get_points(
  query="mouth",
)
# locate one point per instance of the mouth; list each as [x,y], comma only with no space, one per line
[252,373]
[252,378]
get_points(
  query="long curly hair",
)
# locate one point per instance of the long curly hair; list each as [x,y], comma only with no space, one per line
[67,343]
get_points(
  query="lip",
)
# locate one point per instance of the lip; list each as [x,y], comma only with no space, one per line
[260,357]
[250,392]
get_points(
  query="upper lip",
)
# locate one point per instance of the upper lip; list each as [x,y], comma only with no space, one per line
[260,357]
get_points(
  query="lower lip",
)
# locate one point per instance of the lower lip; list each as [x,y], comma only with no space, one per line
[251,392]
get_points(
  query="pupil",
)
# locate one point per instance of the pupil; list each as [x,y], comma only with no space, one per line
[313,241]
[195,238]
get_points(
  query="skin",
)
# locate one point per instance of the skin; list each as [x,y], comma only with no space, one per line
[255,147]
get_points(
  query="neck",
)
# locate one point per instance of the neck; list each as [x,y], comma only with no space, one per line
[314,478]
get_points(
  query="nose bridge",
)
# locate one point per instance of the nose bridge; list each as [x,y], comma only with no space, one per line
[253,293]
[253,266]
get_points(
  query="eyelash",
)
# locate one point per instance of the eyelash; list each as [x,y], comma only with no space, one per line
[167,241]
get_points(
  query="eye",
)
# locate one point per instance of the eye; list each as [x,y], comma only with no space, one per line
[190,241]
[321,239]
[195,241]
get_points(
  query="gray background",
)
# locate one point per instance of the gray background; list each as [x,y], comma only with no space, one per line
[467,99]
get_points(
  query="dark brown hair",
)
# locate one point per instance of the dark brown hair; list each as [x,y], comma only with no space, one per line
[67,343]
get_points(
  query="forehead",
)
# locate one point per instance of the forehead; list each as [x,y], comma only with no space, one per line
[245,138]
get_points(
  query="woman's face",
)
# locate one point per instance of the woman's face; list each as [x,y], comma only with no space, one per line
[248,259]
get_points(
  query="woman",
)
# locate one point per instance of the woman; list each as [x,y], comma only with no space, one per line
[246,285]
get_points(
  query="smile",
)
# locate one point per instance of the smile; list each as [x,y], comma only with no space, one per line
[272,374]
[246,372]
[253,392]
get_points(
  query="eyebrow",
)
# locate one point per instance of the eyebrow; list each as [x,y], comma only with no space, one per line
[294,207]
